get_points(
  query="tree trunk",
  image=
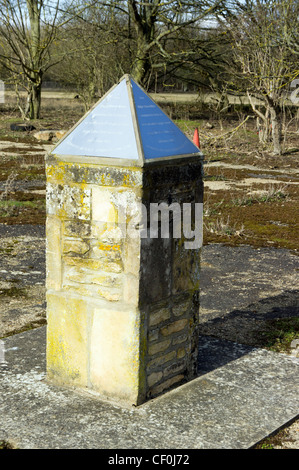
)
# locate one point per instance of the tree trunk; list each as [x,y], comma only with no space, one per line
[276,130]
[141,65]
[263,121]
[144,22]
[34,101]
[263,126]
[36,74]
[140,69]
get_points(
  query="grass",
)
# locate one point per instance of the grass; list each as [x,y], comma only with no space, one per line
[188,126]
[13,292]
[212,209]
[271,194]
[215,178]
[12,208]
[223,227]
[280,334]
[275,440]
[4,445]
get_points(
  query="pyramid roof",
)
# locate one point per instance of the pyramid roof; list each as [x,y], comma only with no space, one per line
[126,125]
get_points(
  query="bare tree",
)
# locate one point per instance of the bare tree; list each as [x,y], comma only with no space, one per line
[291,25]
[28,29]
[96,57]
[147,38]
[262,63]
[153,24]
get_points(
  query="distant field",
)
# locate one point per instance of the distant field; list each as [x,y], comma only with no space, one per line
[158,97]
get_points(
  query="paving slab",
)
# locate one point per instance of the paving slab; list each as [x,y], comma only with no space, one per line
[241,395]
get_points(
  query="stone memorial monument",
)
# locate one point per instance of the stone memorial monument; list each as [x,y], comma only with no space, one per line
[124,230]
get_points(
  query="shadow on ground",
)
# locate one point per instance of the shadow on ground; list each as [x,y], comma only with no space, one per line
[251,325]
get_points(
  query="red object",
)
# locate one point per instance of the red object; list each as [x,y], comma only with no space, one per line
[196,138]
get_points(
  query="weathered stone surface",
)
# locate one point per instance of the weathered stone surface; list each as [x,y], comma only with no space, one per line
[158,347]
[174,327]
[154,378]
[158,389]
[108,293]
[175,368]
[160,316]
[68,202]
[115,354]
[155,257]
[153,335]
[67,340]
[131,289]
[97,175]
[53,254]
[111,253]
[112,235]
[102,208]
[171,175]
[180,339]
[181,353]
[93,291]
[159,361]
[140,292]
[75,246]
[182,308]
[89,264]
[76,228]
[81,275]
[186,268]
[131,256]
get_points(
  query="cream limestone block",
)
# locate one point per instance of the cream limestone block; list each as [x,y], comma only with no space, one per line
[131,256]
[53,253]
[110,253]
[67,355]
[131,289]
[128,203]
[80,275]
[76,228]
[71,245]
[102,208]
[100,294]
[111,235]
[114,354]
[72,202]
[109,293]
[92,264]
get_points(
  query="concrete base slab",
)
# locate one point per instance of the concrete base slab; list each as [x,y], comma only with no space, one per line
[241,395]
